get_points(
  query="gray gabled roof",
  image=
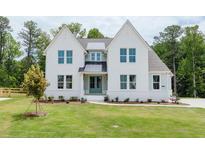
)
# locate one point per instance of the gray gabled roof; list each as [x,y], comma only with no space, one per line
[155,63]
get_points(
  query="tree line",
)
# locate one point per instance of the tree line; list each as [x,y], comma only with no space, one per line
[17,56]
[181,49]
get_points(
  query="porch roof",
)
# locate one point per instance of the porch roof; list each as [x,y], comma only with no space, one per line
[95,67]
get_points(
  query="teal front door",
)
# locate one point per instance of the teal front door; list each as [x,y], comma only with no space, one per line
[95,84]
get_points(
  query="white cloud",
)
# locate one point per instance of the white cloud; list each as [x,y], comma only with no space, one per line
[148,27]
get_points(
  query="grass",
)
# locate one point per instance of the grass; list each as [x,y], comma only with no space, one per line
[89,120]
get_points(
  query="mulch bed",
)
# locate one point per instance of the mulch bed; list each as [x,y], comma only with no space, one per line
[151,103]
[34,114]
[60,101]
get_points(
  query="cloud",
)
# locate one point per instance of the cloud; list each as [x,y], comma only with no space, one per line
[148,27]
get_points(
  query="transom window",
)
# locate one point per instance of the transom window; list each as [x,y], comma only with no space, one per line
[95,56]
[69,81]
[123,81]
[60,81]
[132,55]
[123,55]
[60,57]
[69,56]
[156,82]
[132,81]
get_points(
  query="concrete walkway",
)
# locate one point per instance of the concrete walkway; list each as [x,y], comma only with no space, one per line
[115,104]
[195,103]
[3,99]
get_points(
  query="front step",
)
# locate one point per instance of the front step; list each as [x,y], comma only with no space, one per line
[94,97]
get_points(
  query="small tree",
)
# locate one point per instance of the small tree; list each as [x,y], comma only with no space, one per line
[34,83]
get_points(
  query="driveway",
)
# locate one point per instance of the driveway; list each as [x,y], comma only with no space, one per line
[194,102]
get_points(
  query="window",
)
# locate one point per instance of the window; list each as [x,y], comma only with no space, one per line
[69,81]
[95,56]
[60,81]
[69,56]
[156,82]
[123,81]
[132,81]
[98,56]
[132,55]
[123,55]
[60,57]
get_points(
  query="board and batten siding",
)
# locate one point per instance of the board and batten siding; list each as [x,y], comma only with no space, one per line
[165,91]
[127,38]
[64,41]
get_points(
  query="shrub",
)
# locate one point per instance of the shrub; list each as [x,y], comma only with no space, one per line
[127,100]
[116,99]
[163,101]
[141,101]
[149,100]
[61,98]
[74,98]
[112,100]
[83,100]
[106,99]
[50,98]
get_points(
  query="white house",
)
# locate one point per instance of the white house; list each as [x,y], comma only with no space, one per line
[124,66]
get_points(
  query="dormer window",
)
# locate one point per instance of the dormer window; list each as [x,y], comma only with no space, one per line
[95,56]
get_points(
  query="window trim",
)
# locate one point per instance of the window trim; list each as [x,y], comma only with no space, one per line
[63,57]
[95,55]
[61,81]
[124,82]
[132,55]
[123,56]
[69,56]
[69,82]
[155,82]
[133,82]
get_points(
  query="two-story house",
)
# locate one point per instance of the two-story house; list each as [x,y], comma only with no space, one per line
[124,66]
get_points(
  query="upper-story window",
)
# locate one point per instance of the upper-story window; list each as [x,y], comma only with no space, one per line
[132,55]
[95,56]
[156,82]
[69,56]
[60,56]
[123,55]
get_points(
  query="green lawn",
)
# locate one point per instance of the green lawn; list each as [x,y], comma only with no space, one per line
[89,120]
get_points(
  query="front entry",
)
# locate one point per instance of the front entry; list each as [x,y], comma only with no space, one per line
[95,85]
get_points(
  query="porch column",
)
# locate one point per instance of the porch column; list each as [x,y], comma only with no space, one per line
[81,85]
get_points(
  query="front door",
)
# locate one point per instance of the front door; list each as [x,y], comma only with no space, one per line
[95,84]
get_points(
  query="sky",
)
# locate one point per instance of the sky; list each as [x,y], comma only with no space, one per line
[147,26]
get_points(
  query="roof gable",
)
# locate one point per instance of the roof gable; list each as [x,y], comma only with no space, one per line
[64,29]
[128,23]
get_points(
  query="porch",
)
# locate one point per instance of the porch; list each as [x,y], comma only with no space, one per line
[94,84]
